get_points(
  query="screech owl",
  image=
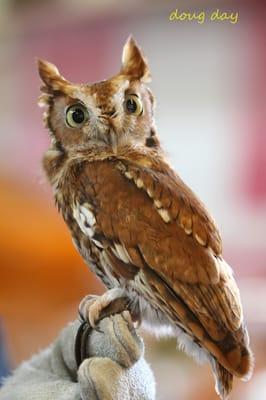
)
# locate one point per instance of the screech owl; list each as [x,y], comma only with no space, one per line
[134,221]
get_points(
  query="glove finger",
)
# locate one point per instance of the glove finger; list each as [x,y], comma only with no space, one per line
[125,346]
[100,378]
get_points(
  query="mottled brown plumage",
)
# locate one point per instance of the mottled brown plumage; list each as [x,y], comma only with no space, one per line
[135,222]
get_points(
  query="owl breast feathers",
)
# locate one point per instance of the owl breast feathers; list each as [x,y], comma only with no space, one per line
[134,221]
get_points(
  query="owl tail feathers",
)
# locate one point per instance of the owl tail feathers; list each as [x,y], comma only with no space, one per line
[223,380]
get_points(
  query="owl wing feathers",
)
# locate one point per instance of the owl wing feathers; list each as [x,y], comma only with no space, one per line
[154,224]
[170,193]
[161,233]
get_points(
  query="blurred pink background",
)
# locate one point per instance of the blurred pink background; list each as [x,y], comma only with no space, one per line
[209,81]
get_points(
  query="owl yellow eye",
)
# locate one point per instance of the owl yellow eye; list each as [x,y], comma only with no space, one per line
[133,105]
[76,116]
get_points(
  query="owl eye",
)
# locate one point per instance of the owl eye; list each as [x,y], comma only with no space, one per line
[76,116]
[133,105]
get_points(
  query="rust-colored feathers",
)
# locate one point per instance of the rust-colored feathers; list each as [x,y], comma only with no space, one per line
[133,219]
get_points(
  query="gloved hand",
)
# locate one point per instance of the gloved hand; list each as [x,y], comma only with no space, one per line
[113,370]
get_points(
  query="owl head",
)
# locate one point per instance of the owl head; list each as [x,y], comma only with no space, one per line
[115,112]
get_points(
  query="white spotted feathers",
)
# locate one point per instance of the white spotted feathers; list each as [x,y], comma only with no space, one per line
[85,218]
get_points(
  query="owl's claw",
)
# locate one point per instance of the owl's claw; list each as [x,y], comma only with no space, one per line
[84,305]
[93,308]
[90,308]
[94,311]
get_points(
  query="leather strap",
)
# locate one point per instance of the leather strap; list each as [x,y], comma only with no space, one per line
[81,341]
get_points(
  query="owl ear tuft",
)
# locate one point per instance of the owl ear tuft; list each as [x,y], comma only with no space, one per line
[50,76]
[133,62]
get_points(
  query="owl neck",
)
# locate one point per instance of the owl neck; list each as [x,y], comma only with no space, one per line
[57,161]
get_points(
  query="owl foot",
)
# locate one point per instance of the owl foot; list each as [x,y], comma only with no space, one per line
[94,308]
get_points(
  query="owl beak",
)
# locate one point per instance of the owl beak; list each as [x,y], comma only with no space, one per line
[109,114]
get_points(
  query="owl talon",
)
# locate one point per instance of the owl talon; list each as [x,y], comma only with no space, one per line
[85,305]
[92,308]
[89,309]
